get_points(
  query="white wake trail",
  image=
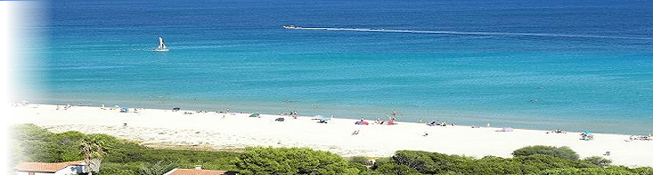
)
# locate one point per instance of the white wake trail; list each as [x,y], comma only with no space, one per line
[468,33]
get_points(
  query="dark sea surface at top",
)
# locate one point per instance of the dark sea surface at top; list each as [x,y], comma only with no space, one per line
[571,65]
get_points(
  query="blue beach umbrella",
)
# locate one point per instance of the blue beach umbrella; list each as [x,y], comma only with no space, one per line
[322,118]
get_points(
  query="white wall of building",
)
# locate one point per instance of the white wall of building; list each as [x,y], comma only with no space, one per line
[69,170]
[74,170]
[21,173]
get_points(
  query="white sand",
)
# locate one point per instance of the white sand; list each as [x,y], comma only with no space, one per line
[164,127]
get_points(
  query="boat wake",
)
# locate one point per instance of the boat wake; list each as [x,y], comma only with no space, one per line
[466,33]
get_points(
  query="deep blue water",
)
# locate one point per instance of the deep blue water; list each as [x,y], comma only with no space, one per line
[573,65]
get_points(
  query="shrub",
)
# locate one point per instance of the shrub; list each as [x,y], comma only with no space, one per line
[598,161]
[643,170]
[585,171]
[158,168]
[108,168]
[358,160]
[360,167]
[381,161]
[495,165]
[28,142]
[560,152]
[259,160]
[432,163]
[31,132]
[394,169]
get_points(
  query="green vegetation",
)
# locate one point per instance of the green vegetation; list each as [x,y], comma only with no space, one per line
[559,152]
[599,161]
[437,163]
[290,161]
[121,157]
[31,143]
[158,168]
[586,171]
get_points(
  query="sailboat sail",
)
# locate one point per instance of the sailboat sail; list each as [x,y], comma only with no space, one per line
[162,46]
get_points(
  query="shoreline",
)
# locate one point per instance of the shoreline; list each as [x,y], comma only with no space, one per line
[238,130]
[413,115]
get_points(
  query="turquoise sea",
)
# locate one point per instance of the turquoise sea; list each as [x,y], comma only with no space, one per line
[572,65]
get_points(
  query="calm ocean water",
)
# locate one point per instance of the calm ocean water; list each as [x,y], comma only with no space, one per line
[573,65]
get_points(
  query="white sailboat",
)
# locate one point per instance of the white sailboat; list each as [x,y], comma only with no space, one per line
[162,47]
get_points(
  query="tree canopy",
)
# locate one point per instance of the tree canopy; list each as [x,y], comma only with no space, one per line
[261,160]
[559,152]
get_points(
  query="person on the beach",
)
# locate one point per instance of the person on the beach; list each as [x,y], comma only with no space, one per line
[393,116]
[488,124]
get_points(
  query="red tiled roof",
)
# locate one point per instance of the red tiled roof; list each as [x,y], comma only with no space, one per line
[45,167]
[195,172]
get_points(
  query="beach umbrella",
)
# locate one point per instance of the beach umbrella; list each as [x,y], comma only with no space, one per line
[362,122]
[322,118]
[255,115]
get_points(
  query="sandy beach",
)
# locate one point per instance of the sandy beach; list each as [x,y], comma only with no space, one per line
[237,130]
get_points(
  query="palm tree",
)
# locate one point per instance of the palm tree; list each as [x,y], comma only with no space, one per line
[159,168]
[93,150]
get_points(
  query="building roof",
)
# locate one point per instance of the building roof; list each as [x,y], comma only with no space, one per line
[45,167]
[178,171]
